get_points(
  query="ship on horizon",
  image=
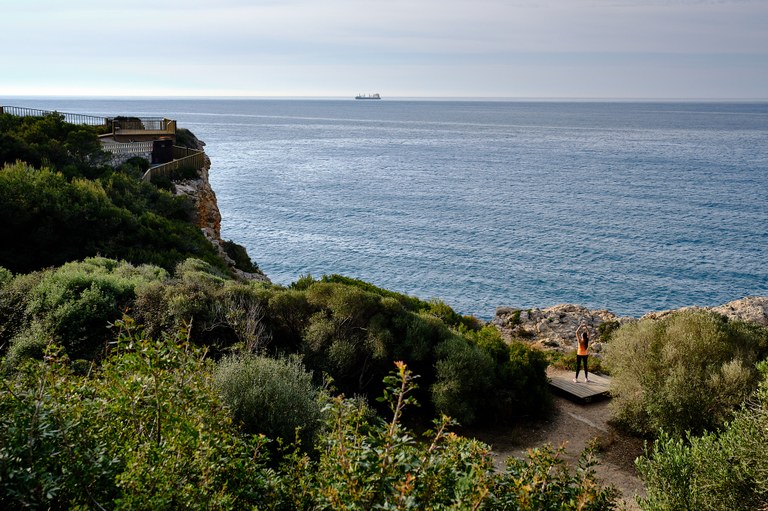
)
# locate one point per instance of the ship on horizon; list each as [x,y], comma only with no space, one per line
[375,95]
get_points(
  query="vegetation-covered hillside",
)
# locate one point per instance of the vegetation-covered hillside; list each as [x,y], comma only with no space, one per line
[60,202]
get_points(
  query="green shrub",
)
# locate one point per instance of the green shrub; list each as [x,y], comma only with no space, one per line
[464,380]
[727,470]
[366,462]
[274,397]
[147,430]
[53,220]
[687,372]
[5,276]
[240,256]
[14,300]
[75,304]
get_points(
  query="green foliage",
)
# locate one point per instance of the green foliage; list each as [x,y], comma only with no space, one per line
[687,372]
[723,471]
[606,329]
[186,138]
[148,430]
[481,378]
[73,305]
[240,256]
[435,307]
[368,463]
[145,431]
[49,141]
[464,379]
[274,397]
[543,482]
[352,335]
[53,220]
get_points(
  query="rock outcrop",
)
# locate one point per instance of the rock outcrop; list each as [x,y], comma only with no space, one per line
[753,309]
[554,328]
[207,217]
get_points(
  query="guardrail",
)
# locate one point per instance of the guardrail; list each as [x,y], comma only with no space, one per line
[183,158]
[128,147]
[115,124]
[90,120]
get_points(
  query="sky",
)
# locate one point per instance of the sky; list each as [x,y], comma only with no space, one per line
[655,49]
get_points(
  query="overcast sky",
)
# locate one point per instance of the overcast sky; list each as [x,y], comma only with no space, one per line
[406,48]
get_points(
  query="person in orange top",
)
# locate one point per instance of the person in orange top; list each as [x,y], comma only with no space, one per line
[582,340]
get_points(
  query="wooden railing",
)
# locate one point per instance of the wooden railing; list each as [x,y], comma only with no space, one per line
[183,157]
[122,124]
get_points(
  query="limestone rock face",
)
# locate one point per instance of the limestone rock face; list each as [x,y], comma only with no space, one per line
[554,328]
[207,217]
[206,214]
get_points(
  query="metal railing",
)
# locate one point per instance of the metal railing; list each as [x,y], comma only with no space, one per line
[116,124]
[143,124]
[20,111]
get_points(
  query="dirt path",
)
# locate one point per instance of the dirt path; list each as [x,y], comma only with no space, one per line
[574,426]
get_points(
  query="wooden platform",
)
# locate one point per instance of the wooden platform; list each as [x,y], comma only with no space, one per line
[562,383]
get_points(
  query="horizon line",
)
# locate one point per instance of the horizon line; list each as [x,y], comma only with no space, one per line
[384,98]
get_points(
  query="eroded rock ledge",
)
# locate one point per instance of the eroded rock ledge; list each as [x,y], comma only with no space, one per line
[207,217]
[554,328]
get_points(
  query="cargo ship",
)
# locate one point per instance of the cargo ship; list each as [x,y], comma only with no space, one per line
[368,96]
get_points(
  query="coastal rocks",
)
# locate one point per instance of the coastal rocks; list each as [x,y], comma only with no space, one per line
[753,309]
[206,214]
[554,328]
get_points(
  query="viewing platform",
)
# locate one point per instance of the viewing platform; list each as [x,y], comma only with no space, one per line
[151,138]
[582,392]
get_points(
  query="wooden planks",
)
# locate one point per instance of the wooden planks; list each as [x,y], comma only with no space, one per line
[581,392]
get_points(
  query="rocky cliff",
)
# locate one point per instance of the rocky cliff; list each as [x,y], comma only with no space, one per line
[554,328]
[207,217]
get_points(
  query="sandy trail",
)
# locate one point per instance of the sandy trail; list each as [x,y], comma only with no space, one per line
[574,426]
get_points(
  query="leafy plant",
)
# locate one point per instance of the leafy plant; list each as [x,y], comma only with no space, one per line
[273,397]
[687,372]
[727,470]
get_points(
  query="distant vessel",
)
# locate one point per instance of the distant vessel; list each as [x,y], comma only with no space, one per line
[368,96]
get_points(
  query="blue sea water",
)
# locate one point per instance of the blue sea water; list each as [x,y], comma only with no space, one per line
[627,206]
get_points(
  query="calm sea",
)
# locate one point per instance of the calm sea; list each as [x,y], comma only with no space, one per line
[632,207]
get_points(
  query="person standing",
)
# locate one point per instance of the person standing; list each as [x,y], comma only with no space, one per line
[582,350]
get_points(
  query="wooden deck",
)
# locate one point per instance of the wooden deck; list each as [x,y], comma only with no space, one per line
[581,392]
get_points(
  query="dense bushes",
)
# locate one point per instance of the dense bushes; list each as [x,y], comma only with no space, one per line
[342,330]
[725,471]
[687,372]
[48,141]
[147,430]
[73,304]
[52,220]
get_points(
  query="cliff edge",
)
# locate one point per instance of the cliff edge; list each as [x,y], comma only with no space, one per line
[207,217]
